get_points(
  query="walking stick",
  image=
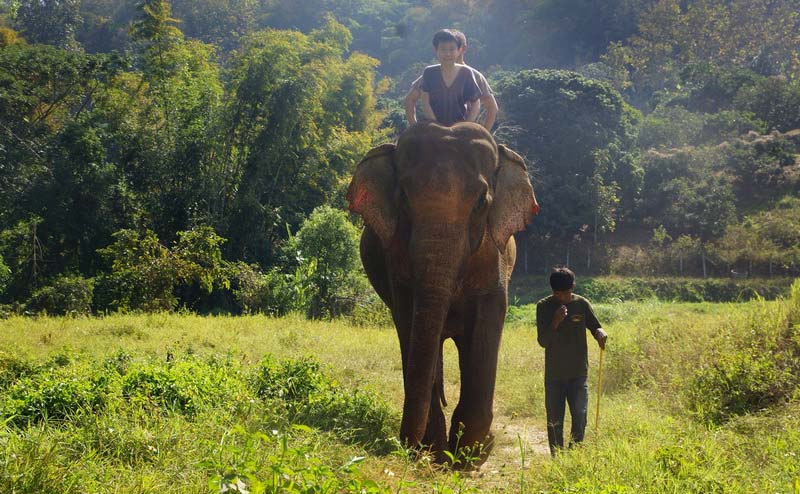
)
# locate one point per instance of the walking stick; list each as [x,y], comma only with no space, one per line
[599,390]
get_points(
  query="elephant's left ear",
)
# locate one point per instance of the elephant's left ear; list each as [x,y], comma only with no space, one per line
[514,203]
[371,191]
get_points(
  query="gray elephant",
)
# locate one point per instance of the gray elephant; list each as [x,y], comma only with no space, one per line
[440,208]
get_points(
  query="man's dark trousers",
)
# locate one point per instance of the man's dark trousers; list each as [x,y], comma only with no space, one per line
[573,391]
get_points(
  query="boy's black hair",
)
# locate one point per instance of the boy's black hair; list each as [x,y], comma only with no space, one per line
[562,279]
[445,35]
[460,37]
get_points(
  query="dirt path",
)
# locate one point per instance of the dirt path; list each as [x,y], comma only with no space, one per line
[516,440]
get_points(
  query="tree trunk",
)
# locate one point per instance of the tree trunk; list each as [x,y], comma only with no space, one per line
[705,271]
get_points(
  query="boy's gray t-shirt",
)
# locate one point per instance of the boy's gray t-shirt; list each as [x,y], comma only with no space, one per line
[483,83]
[449,103]
[566,355]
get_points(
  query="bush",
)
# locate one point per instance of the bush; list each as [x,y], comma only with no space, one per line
[763,368]
[312,398]
[729,124]
[369,310]
[67,295]
[612,289]
[143,274]
[13,368]
[55,394]
[146,274]
[774,100]
[328,237]
[273,293]
[187,386]
[670,127]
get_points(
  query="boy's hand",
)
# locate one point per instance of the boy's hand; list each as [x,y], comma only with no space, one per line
[601,337]
[560,315]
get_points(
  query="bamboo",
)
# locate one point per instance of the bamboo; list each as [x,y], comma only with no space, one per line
[599,390]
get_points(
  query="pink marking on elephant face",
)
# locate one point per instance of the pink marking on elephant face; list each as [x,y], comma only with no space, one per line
[362,196]
[535,209]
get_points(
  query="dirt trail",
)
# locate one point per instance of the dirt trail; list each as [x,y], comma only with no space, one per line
[515,439]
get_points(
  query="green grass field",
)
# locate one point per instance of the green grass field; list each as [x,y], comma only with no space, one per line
[697,398]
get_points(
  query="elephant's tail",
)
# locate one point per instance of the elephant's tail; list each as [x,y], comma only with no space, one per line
[439,382]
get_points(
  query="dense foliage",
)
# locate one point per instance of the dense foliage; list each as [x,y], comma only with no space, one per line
[663,137]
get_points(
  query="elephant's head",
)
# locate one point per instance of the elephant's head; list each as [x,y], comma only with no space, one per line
[436,175]
[444,196]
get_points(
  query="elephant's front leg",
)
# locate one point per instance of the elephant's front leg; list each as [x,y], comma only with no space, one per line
[478,348]
[436,431]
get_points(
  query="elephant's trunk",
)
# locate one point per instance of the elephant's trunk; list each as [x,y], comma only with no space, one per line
[435,269]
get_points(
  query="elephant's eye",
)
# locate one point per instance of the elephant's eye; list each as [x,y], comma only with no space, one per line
[481,203]
[402,199]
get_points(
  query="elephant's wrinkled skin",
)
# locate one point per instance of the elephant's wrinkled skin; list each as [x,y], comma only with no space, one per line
[440,208]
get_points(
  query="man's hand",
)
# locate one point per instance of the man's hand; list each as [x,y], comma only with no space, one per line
[601,337]
[560,315]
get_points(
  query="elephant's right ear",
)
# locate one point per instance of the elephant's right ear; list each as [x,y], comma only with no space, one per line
[371,192]
[514,202]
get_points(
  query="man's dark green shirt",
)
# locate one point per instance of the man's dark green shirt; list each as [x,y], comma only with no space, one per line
[565,353]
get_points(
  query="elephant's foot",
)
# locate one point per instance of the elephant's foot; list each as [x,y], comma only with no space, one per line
[472,456]
[471,442]
[435,437]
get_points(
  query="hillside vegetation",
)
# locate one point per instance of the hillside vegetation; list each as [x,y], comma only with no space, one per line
[697,398]
[157,155]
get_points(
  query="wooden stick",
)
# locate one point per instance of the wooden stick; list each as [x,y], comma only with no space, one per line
[599,390]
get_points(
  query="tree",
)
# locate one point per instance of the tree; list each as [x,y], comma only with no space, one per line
[568,33]
[51,22]
[300,116]
[682,192]
[155,29]
[5,275]
[674,34]
[21,248]
[328,237]
[9,37]
[684,248]
[579,134]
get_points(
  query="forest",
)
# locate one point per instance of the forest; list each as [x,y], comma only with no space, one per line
[157,155]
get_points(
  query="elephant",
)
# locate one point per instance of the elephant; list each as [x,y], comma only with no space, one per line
[440,207]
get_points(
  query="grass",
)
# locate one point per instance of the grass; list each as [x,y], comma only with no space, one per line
[186,404]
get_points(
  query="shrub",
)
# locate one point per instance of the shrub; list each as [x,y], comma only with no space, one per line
[612,289]
[761,370]
[312,398]
[143,274]
[186,386]
[328,237]
[55,394]
[13,368]
[274,293]
[774,100]
[274,462]
[67,295]
[670,127]
[369,310]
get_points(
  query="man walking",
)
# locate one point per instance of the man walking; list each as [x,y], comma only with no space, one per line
[561,322]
